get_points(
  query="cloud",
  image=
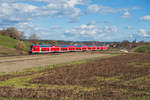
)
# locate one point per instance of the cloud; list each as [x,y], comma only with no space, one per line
[55,27]
[19,14]
[28,28]
[129,27]
[90,31]
[71,2]
[16,11]
[94,8]
[144,33]
[141,35]
[102,9]
[43,33]
[146,18]
[12,13]
[126,14]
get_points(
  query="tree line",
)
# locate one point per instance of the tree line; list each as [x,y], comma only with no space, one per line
[16,34]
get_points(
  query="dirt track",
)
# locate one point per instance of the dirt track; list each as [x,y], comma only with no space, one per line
[9,64]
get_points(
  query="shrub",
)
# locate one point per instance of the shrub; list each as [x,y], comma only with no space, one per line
[143,49]
[20,45]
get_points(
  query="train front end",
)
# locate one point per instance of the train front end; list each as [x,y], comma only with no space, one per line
[34,49]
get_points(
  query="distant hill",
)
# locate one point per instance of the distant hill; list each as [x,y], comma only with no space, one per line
[8,46]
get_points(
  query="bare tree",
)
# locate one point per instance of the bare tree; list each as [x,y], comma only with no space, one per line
[22,36]
[20,45]
[4,33]
[125,44]
[53,42]
[13,32]
[33,36]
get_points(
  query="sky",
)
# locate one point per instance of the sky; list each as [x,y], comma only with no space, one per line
[79,20]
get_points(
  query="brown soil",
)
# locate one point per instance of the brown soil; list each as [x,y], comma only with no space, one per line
[117,78]
[109,68]
[8,51]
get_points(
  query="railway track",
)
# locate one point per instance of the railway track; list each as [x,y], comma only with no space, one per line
[56,53]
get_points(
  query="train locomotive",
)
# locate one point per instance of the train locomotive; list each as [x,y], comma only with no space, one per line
[36,49]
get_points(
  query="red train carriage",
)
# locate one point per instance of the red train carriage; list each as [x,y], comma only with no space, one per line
[78,48]
[98,48]
[55,48]
[40,49]
[45,49]
[63,48]
[94,48]
[101,48]
[71,48]
[84,48]
[105,48]
[89,48]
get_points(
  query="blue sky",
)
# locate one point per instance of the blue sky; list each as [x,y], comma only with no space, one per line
[79,20]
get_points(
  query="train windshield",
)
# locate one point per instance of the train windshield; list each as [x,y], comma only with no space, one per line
[31,47]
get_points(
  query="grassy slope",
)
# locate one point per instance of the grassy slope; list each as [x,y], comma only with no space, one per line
[143,49]
[9,44]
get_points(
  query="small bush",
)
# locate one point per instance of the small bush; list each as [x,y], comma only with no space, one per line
[20,45]
[143,49]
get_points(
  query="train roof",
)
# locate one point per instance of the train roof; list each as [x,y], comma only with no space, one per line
[78,46]
[92,46]
[44,45]
[64,45]
[68,45]
[54,46]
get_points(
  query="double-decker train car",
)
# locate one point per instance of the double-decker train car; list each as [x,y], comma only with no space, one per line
[34,49]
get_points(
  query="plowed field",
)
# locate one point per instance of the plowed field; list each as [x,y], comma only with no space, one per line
[119,69]
[114,78]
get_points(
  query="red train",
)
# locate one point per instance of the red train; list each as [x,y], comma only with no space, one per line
[63,48]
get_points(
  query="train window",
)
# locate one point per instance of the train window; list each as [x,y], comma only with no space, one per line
[45,50]
[36,48]
[64,49]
